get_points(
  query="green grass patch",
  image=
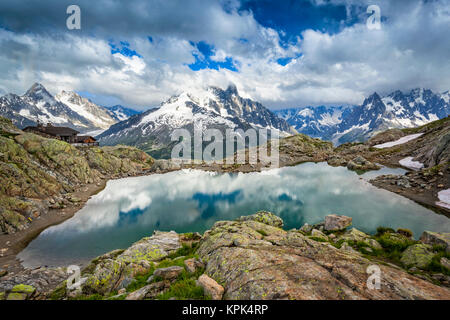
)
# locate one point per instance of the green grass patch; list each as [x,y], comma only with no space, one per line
[185,288]
[435,264]
[140,280]
[185,250]
[389,243]
[318,239]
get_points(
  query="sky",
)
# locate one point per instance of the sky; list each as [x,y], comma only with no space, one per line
[288,53]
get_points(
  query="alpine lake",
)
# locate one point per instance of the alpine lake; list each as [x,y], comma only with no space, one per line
[193,200]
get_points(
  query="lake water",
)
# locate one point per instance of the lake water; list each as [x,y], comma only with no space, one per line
[191,200]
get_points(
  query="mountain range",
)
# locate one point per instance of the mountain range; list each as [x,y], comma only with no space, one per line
[222,109]
[64,109]
[342,124]
[212,108]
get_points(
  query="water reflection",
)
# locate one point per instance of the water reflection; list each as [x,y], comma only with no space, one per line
[191,200]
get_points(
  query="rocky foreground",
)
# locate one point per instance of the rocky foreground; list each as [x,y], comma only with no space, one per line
[254,258]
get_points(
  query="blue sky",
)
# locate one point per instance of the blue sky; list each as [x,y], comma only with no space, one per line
[289,53]
[295,16]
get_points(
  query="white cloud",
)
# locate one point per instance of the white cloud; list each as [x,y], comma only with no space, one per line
[410,50]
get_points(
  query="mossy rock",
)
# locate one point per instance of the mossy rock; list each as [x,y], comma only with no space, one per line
[353,235]
[318,235]
[417,255]
[24,289]
[264,217]
[17,296]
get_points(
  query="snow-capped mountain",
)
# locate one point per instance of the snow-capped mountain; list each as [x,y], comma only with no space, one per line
[37,104]
[65,109]
[121,113]
[314,121]
[210,108]
[98,116]
[376,114]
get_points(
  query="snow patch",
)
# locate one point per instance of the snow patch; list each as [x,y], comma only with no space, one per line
[444,198]
[409,163]
[402,140]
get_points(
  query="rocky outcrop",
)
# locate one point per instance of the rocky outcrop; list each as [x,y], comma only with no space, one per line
[359,163]
[31,283]
[386,136]
[279,264]
[417,255]
[252,257]
[115,269]
[37,173]
[435,238]
[302,148]
[335,222]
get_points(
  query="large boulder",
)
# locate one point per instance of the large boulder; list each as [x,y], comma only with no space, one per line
[353,235]
[417,255]
[153,248]
[264,217]
[334,222]
[169,273]
[290,265]
[106,276]
[361,164]
[436,238]
[210,287]
[110,271]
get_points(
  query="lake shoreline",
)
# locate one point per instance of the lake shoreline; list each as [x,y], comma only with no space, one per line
[16,242]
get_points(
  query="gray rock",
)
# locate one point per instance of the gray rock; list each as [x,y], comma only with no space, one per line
[436,238]
[306,228]
[264,217]
[125,283]
[169,273]
[148,291]
[335,222]
[347,248]
[319,234]
[359,160]
[403,182]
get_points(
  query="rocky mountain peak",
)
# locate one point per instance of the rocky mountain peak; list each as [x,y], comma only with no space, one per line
[37,90]
[373,97]
[397,95]
[232,90]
